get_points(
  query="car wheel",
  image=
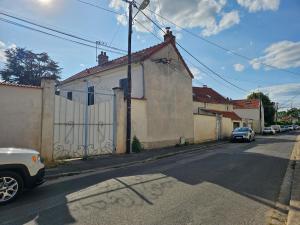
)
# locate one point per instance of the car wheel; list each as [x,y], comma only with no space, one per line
[11,185]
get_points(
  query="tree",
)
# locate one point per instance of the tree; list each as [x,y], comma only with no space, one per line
[25,67]
[269,107]
[294,112]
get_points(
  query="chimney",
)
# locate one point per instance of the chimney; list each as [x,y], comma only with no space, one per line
[169,35]
[102,58]
[205,86]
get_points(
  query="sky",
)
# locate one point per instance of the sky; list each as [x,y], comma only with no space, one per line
[261,32]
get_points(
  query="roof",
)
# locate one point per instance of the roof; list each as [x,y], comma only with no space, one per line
[19,85]
[208,95]
[246,104]
[227,114]
[136,57]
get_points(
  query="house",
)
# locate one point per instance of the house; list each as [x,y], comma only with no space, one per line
[162,106]
[208,103]
[252,112]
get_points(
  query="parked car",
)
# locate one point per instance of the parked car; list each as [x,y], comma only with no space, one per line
[269,130]
[296,127]
[290,127]
[19,169]
[286,128]
[277,128]
[243,133]
[283,128]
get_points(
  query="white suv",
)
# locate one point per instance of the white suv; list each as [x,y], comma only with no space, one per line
[19,169]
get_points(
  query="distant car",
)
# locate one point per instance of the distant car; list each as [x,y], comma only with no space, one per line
[269,130]
[290,127]
[243,134]
[286,128]
[19,169]
[296,127]
[277,128]
[283,128]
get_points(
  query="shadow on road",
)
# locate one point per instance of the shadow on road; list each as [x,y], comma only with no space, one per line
[253,175]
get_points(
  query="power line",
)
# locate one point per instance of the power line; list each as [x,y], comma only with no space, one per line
[218,45]
[99,7]
[187,60]
[56,36]
[60,32]
[193,34]
[208,68]
[195,58]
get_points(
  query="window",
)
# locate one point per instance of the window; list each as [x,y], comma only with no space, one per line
[70,95]
[57,92]
[236,125]
[91,95]
[123,83]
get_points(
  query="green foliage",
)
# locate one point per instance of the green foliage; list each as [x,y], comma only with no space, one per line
[269,107]
[136,145]
[25,67]
[294,112]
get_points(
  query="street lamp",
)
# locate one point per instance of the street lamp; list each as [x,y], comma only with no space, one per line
[132,3]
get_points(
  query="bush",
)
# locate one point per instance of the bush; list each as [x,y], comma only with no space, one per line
[136,145]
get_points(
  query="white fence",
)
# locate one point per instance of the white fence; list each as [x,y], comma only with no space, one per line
[83,125]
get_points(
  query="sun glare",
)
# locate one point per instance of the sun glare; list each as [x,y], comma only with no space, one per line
[45,2]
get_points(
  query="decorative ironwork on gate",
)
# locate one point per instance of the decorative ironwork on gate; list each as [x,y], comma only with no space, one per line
[84,123]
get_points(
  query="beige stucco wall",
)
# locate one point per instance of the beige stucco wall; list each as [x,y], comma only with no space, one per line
[169,107]
[212,106]
[139,119]
[20,117]
[252,114]
[207,122]
[105,81]
[227,127]
[165,112]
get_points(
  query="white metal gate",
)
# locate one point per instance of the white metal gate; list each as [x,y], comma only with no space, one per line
[84,123]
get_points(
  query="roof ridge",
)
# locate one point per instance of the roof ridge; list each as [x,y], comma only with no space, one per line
[5,83]
[71,78]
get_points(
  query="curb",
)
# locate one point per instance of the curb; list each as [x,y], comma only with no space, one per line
[123,165]
[294,208]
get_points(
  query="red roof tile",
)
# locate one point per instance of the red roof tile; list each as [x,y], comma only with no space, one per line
[136,57]
[246,104]
[19,85]
[208,95]
[231,115]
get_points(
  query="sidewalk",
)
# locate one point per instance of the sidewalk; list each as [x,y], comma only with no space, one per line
[78,166]
[294,211]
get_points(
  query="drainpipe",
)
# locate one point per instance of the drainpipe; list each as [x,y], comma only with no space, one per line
[143,75]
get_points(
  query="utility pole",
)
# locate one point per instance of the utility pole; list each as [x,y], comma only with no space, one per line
[128,132]
[131,4]
[276,112]
[86,120]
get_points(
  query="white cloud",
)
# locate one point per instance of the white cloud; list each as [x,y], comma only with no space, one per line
[258,5]
[3,47]
[227,21]
[238,67]
[202,14]
[196,72]
[284,54]
[2,53]
[285,94]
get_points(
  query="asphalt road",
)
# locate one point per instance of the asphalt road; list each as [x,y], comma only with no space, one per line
[236,183]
